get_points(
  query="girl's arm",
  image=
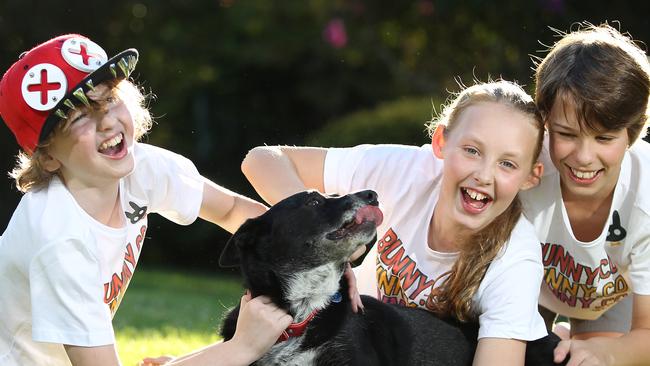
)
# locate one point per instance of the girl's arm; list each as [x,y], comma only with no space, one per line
[500,351]
[277,172]
[630,349]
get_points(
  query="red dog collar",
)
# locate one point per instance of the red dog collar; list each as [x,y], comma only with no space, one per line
[296,329]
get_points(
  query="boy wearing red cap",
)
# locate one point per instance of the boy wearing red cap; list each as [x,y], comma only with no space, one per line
[74,240]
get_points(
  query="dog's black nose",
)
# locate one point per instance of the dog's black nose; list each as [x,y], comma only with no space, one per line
[368,196]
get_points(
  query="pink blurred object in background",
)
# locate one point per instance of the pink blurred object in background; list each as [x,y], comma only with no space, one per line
[335,34]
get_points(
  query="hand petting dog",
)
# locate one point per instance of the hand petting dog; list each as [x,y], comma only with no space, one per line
[259,325]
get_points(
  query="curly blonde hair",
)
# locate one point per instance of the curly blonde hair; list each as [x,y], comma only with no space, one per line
[29,172]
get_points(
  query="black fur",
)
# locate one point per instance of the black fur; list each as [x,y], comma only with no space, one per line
[299,234]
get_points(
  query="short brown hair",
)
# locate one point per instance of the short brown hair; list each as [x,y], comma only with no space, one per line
[603,73]
[29,172]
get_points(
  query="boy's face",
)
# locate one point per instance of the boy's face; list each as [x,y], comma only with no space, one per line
[589,162]
[95,150]
[488,159]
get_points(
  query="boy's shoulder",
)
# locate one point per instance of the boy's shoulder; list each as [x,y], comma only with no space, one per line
[636,175]
[640,150]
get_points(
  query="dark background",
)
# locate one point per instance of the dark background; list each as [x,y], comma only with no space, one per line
[229,75]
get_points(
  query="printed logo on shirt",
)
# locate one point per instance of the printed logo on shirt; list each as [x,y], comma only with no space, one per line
[616,232]
[115,289]
[579,285]
[399,281]
[138,212]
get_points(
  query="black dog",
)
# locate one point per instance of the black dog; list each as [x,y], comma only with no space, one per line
[296,253]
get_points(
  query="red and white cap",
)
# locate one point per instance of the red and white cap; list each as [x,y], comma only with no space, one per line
[38,91]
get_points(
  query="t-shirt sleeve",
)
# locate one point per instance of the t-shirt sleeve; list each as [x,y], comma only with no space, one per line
[66,296]
[341,165]
[386,169]
[174,185]
[509,294]
[509,302]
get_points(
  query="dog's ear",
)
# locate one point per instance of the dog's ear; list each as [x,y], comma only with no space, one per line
[230,257]
[241,241]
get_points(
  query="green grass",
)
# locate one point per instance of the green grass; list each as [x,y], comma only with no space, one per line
[172,312]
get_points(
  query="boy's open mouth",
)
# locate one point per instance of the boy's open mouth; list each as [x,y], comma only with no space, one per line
[112,146]
[584,177]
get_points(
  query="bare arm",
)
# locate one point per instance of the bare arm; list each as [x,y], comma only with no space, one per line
[93,356]
[226,208]
[499,351]
[259,325]
[277,172]
[630,349]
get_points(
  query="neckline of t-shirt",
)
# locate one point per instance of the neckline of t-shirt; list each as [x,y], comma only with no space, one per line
[442,255]
[603,233]
[113,231]
[433,200]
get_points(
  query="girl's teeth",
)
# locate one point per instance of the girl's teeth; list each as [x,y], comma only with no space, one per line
[583,175]
[475,195]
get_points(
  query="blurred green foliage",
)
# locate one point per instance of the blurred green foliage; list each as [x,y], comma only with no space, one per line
[231,74]
[172,313]
[396,122]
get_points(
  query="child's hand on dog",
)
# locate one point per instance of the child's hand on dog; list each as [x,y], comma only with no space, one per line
[353,291]
[259,325]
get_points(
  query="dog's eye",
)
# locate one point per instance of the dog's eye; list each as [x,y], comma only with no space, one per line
[313,202]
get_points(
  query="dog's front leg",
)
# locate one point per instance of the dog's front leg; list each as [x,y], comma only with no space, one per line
[229,324]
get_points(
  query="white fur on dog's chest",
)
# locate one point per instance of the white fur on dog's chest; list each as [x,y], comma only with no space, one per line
[288,354]
[306,291]
[312,289]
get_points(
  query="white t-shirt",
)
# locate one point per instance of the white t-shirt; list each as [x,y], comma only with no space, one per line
[583,280]
[63,274]
[402,268]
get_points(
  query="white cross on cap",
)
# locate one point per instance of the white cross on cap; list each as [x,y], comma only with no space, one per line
[43,86]
[83,54]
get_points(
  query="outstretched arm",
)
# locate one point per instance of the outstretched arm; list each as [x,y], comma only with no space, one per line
[277,172]
[630,349]
[259,325]
[226,208]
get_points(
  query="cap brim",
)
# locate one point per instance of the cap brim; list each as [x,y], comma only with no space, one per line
[117,67]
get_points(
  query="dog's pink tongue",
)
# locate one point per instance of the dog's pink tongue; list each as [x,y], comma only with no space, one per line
[369,213]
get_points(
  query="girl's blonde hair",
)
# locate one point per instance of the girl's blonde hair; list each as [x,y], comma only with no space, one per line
[29,172]
[454,296]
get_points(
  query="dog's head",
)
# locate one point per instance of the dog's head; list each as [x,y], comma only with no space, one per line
[300,233]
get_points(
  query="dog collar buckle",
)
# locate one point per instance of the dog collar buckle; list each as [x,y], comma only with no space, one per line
[296,329]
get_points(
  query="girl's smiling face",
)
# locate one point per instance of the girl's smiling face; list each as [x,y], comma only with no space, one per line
[488,158]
